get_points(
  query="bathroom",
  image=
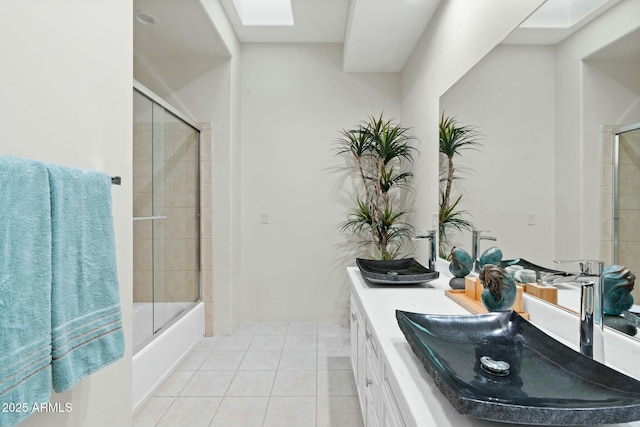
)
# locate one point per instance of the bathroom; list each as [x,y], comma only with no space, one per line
[74,62]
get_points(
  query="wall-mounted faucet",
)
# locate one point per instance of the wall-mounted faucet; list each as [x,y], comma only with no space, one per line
[591,278]
[431,235]
[475,244]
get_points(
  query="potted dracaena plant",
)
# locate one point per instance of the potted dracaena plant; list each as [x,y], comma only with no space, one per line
[380,153]
[454,139]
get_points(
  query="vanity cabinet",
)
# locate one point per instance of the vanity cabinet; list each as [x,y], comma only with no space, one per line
[377,400]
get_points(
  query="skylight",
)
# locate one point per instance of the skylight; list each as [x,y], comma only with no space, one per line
[561,13]
[264,12]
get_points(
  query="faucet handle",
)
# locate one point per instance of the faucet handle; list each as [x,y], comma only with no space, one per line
[477,235]
[586,265]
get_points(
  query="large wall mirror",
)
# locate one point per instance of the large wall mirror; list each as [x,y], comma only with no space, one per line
[539,182]
[623,144]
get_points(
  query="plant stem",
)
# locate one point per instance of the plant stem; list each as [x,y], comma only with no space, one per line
[447,193]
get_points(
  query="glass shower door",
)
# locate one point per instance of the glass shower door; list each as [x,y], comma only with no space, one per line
[166,213]
[142,229]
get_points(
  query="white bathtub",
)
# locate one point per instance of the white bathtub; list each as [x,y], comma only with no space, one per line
[154,362]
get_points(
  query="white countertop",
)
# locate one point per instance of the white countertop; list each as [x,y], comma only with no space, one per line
[420,399]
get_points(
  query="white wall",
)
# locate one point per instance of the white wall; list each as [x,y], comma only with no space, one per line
[67,99]
[461,33]
[295,100]
[583,105]
[509,97]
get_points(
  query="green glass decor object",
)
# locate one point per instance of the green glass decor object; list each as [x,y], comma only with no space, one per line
[618,284]
[493,255]
[461,262]
[499,292]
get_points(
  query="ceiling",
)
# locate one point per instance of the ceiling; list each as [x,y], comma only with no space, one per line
[184,29]
[365,27]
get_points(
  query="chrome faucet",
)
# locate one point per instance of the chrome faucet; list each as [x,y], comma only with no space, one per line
[431,235]
[591,278]
[475,244]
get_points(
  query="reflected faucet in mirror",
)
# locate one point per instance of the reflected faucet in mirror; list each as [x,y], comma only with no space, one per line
[476,236]
[591,278]
[431,236]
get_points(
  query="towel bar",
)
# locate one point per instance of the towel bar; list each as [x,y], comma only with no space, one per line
[116,180]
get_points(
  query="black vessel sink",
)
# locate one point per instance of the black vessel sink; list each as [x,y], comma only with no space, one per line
[632,317]
[545,382]
[404,271]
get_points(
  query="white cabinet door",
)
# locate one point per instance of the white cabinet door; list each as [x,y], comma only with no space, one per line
[390,412]
[359,354]
[372,416]
[353,338]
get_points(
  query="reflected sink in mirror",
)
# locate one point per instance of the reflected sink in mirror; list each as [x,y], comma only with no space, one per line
[525,376]
[569,293]
[531,266]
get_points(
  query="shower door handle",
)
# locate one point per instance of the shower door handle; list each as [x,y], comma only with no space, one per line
[148,218]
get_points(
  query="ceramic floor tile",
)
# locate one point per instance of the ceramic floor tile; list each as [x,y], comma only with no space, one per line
[273,328]
[241,412]
[333,343]
[302,328]
[336,383]
[222,361]
[190,412]
[334,360]
[252,383]
[207,344]
[340,411]
[193,361]
[152,411]
[298,360]
[233,342]
[208,383]
[267,342]
[291,412]
[332,330]
[267,374]
[301,342]
[174,384]
[246,328]
[295,383]
[260,361]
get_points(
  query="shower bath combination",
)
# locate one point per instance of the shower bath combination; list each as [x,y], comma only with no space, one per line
[168,315]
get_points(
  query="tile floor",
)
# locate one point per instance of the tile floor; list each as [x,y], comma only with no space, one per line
[264,375]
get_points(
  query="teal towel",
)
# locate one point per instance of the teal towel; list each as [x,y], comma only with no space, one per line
[86,317]
[25,288]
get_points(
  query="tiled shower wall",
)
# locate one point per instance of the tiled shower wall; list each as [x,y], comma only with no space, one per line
[176,254]
[628,202]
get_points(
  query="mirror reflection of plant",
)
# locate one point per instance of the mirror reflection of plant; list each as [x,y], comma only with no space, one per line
[382,152]
[454,139]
